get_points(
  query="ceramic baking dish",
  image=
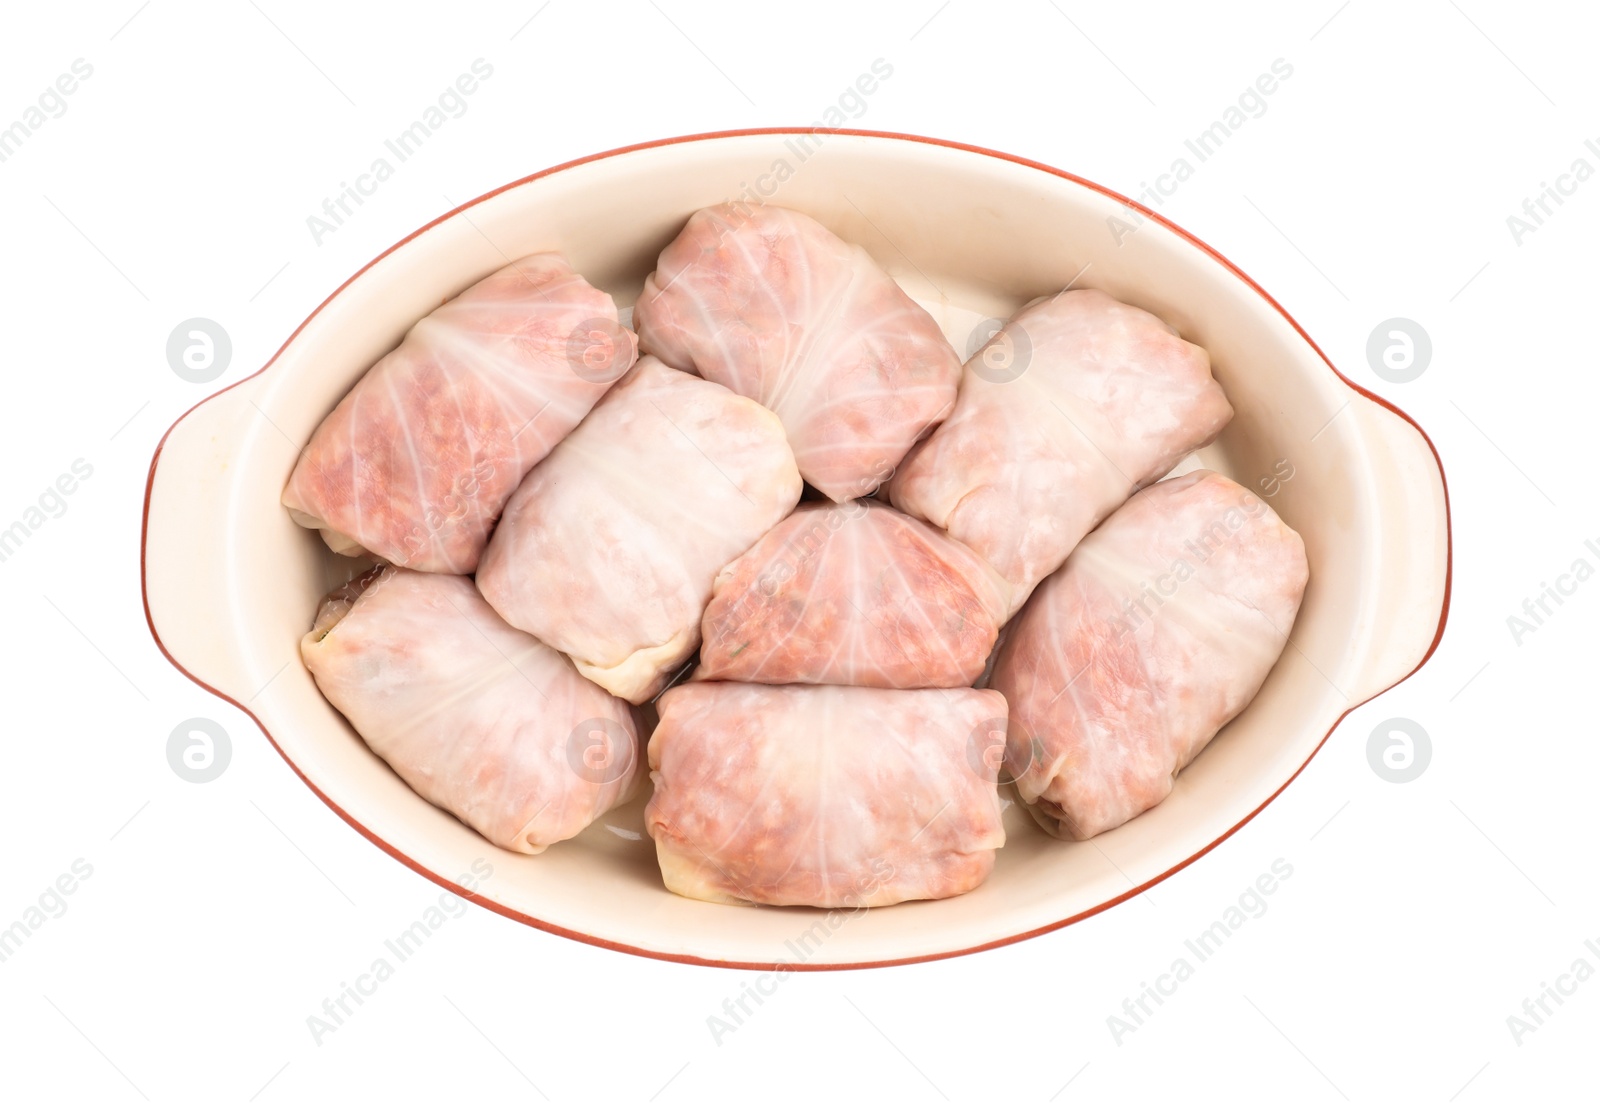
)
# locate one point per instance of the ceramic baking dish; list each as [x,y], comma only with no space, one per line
[231,583]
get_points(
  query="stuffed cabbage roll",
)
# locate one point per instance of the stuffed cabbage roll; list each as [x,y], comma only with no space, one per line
[416,462]
[769,303]
[1073,405]
[856,594]
[608,550]
[482,720]
[832,796]
[1159,630]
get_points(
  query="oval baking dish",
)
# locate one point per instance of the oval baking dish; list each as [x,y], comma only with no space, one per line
[231,582]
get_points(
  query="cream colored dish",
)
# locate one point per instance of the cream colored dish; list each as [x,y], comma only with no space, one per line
[231,583]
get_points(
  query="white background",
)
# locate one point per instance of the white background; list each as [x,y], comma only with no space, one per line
[216,919]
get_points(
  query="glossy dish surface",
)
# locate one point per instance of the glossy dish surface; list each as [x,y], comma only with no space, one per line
[231,582]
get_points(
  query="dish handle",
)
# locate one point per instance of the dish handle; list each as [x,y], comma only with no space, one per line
[1413,534]
[188,555]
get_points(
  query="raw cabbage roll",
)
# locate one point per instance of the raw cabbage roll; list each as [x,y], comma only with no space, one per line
[1159,630]
[482,720]
[608,550]
[769,303]
[416,462]
[1073,405]
[833,796]
[856,594]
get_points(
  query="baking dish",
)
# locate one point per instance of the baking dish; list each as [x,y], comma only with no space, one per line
[231,582]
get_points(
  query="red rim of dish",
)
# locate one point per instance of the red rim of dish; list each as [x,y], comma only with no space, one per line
[688,959]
